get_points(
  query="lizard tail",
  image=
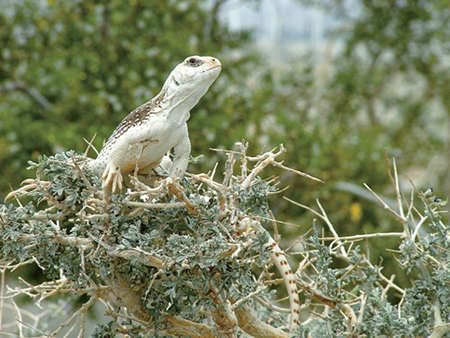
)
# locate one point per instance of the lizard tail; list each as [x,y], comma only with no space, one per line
[279,258]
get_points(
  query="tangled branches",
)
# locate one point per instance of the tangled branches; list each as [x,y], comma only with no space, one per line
[192,258]
[155,252]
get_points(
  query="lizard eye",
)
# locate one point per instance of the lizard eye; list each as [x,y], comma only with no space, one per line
[193,62]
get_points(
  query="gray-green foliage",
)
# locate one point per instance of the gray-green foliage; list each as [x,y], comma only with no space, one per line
[195,249]
[93,62]
[199,252]
[423,308]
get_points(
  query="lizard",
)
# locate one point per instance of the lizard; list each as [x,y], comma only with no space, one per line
[146,134]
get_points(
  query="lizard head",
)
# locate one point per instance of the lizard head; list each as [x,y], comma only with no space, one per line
[195,70]
[193,77]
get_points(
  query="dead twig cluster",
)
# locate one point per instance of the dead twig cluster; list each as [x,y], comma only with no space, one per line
[112,291]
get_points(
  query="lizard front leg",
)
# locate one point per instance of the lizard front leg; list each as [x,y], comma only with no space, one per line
[120,162]
[180,162]
[179,165]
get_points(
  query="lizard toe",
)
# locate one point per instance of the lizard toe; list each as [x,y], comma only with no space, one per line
[112,178]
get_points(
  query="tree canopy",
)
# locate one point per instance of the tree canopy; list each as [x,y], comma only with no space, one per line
[73,69]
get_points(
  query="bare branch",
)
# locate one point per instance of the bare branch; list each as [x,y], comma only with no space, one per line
[163,206]
[81,310]
[139,256]
[269,158]
[255,327]
[250,295]
[297,172]
[387,207]
[362,236]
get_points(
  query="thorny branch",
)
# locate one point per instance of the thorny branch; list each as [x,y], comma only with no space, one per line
[338,246]
[228,314]
[124,300]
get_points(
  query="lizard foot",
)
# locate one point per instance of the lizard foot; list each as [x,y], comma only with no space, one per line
[170,180]
[112,178]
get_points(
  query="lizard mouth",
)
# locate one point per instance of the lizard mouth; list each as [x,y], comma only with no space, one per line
[216,66]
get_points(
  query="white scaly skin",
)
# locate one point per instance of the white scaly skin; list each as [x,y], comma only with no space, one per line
[159,125]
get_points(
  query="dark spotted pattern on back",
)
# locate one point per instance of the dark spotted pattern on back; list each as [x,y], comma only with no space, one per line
[136,117]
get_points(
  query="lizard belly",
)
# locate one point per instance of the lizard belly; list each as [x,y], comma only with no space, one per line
[150,152]
[148,158]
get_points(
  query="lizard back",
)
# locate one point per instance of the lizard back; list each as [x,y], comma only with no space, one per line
[136,117]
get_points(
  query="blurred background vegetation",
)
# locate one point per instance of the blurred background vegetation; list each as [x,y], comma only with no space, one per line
[380,80]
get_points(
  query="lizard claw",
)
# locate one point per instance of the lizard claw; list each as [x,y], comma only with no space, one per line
[112,178]
[170,180]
